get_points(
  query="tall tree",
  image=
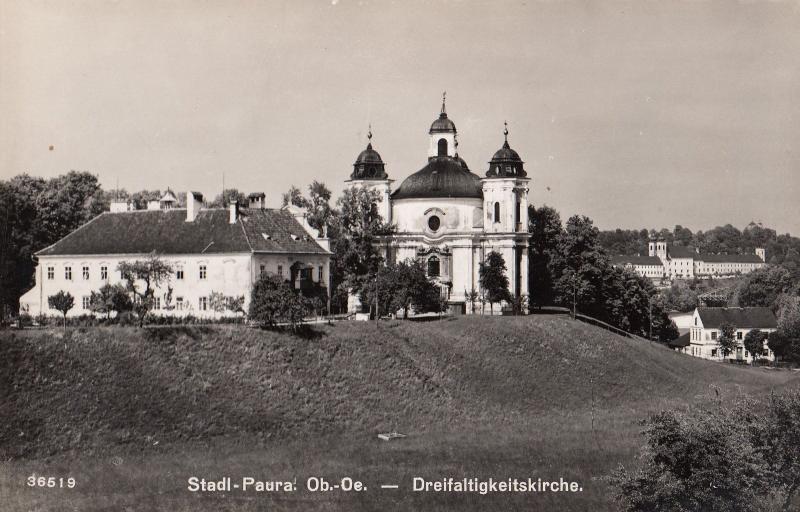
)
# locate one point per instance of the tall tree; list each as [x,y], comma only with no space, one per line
[545,228]
[493,279]
[754,342]
[727,339]
[227,197]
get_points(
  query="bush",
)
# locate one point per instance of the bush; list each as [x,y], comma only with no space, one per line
[273,301]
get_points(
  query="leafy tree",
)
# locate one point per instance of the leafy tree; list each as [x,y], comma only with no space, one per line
[317,205]
[110,298]
[545,228]
[294,196]
[493,279]
[235,304]
[142,278]
[680,297]
[228,196]
[785,341]
[273,301]
[754,342]
[355,233]
[404,285]
[776,436]
[727,339]
[763,286]
[703,460]
[472,296]
[62,302]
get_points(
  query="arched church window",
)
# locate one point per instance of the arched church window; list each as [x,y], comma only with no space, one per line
[433,266]
[442,147]
[497,212]
[372,172]
[434,223]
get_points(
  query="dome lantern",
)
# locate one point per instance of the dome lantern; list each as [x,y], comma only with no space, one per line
[369,164]
[506,162]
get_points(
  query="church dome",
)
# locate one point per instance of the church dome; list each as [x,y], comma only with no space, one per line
[443,177]
[443,125]
[369,164]
[506,162]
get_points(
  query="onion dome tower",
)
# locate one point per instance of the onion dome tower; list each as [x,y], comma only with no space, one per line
[369,171]
[442,134]
[505,191]
[506,162]
[369,165]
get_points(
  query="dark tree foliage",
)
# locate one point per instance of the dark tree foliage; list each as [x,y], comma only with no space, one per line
[62,302]
[717,459]
[785,341]
[317,204]
[273,301]
[763,286]
[754,342]
[227,197]
[727,339]
[110,298]
[35,213]
[545,228]
[493,279]
[403,286]
[355,233]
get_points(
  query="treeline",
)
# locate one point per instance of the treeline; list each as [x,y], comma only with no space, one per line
[781,249]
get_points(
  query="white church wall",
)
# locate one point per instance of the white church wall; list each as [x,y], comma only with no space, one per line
[410,214]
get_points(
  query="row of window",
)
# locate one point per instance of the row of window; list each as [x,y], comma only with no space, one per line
[179,275]
[304,274]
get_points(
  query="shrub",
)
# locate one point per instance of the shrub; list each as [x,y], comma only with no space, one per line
[273,301]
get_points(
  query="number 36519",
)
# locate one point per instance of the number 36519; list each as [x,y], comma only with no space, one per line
[51,482]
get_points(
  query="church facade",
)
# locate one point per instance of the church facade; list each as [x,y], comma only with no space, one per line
[450,218]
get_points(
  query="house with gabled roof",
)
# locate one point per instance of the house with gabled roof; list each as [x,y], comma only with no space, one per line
[211,250]
[706,328]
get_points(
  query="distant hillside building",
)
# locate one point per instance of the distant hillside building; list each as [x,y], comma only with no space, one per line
[222,250]
[667,262]
[703,337]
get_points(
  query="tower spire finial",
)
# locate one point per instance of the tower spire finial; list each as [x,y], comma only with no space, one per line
[444,98]
[505,130]
[369,132]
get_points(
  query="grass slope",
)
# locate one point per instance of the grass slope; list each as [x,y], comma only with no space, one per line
[484,396]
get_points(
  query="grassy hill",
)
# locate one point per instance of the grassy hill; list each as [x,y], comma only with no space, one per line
[495,396]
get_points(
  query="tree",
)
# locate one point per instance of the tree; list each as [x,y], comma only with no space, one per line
[727,339]
[142,278]
[404,285]
[217,302]
[493,279]
[763,286]
[777,437]
[472,297]
[545,228]
[754,343]
[228,196]
[355,234]
[702,460]
[680,297]
[785,341]
[63,302]
[110,298]
[272,301]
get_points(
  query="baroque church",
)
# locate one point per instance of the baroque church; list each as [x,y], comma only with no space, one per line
[450,217]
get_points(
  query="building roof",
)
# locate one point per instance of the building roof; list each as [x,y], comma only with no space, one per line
[637,260]
[681,251]
[443,177]
[168,232]
[443,124]
[729,258]
[755,317]
[684,340]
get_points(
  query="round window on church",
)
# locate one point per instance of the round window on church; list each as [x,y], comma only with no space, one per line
[434,223]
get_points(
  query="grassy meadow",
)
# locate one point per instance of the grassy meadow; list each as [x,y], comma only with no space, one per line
[132,413]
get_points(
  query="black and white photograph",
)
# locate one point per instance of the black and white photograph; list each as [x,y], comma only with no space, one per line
[380,255]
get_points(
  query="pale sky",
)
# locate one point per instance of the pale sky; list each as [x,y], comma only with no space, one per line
[637,114]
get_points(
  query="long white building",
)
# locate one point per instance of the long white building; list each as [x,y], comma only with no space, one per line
[212,251]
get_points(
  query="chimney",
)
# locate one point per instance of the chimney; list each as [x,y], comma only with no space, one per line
[233,208]
[257,200]
[194,201]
